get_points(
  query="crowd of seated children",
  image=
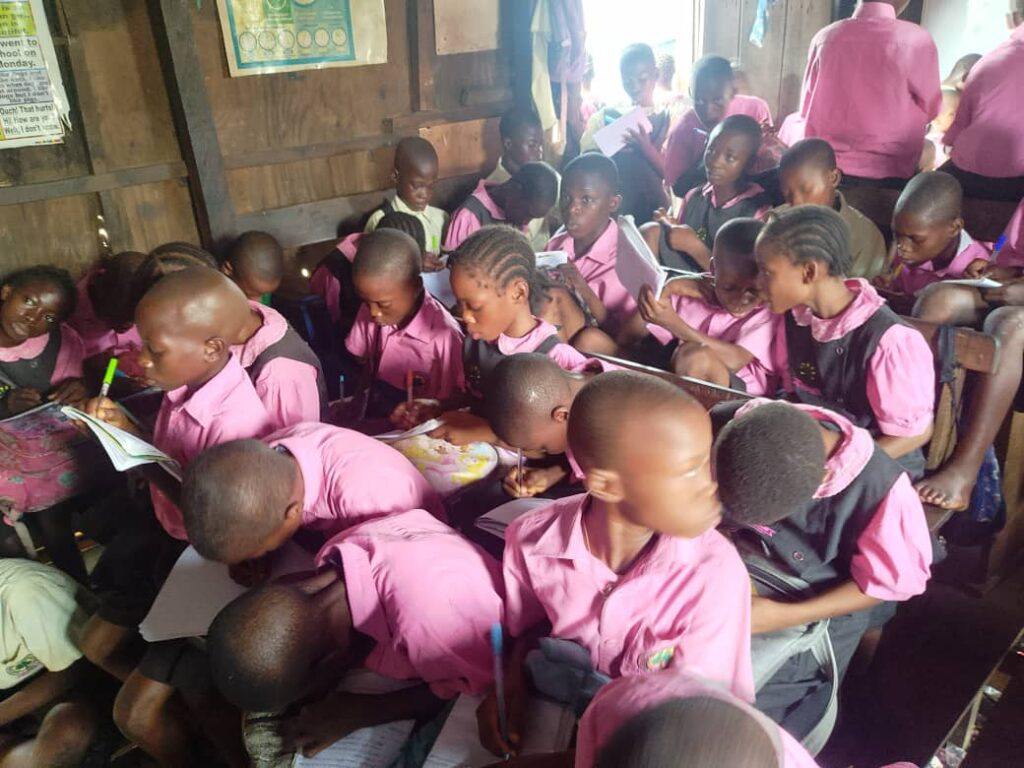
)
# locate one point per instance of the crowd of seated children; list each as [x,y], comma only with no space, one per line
[528,195]
[255,260]
[713,88]
[641,163]
[729,193]
[414,177]
[840,104]
[809,175]
[715,327]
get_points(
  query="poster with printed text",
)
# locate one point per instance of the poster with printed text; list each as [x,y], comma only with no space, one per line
[265,36]
[33,104]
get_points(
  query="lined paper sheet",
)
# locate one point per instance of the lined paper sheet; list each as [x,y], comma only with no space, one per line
[375,747]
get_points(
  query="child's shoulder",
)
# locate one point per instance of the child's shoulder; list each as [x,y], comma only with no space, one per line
[553,521]
[718,554]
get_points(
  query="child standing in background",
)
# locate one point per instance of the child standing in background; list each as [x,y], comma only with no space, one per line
[40,356]
[416,170]
[256,262]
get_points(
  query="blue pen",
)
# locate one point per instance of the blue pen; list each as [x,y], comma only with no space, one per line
[499,681]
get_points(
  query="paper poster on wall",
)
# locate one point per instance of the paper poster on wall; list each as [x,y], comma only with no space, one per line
[465,26]
[33,105]
[264,36]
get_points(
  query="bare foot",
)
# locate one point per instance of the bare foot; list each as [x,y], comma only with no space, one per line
[949,488]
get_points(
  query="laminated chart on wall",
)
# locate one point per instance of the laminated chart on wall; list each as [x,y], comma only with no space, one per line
[266,36]
[33,105]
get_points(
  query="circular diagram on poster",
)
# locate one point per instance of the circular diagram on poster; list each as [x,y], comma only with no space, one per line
[321,37]
[268,40]
[305,39]
[277,5]
[340,37]
[286,39]
[247,41]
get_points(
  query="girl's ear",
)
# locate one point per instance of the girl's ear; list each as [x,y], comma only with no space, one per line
[519,291]
[604,484]
[810,271]
[615,203]
[835,177]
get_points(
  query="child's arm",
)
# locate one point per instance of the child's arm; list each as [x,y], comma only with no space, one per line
[515,698]
[640,138]
[18,400]
[771,615]
[105,409]
[683,238]
[321,723]
[896,446]
[534,481]
[463,428]
[594,303]
[37,693]
[69,392]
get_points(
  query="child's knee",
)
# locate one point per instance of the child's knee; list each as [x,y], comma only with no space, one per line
[1006,324]
[65,735]
[100,639]
[699,362]
[139,706]
[947,304]
[594,341]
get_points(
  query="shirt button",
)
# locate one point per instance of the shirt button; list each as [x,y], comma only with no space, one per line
[839,350]
[798,556]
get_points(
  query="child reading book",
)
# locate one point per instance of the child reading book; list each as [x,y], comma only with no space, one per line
[255,261]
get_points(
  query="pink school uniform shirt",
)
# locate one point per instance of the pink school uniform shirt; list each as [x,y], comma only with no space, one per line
[683,603]
[893,554]
[915,277]
[69,356]
[287,388]
[325,285]
[464,222]
[429,345]
[567,357]
[597,266]
[350,478]
[870,88]
[708,191]
[621,700]
[688,138]
[901,375]
[754,331]
[1011,255]
[98,337]
[987,135]
[224,408]
[426,595]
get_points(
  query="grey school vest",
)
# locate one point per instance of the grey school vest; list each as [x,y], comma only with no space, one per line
[36,372]
[480,357]
[479,211]
[292,347]
[706,219]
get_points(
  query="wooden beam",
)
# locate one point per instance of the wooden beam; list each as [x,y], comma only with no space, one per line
[420,16]
[101,182]
[280,155]
[426,119]
[974,350]
[193,118]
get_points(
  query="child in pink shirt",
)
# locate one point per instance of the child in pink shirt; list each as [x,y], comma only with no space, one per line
[931,242]
[729,194]
[255,261]
[842,346]
[870,88]
[529,194]
[633,571]
[40,356]
[697,723]
[721,331]
[245,498]
[828,505]
[714,99]
[401,331]
[422,594]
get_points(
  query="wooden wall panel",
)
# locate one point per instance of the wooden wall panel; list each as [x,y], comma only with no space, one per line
[150,214]
[469,147]
[722,25]
[804,18]
[763,64]
[61,231]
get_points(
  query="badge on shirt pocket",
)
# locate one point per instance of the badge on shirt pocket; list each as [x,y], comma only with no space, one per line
[660,659]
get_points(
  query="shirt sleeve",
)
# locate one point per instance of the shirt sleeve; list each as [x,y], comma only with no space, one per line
[924,81]
[289,392]
[326,286]
[448,371]
[901,382]
[523,610]
[1012,252]
[569,358]
[70,356]
[463,224]
[894,552]
[357,342]
[594,124]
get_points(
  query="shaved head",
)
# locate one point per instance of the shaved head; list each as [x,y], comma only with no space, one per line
[931,197]
[388,252]
[258,253]
[521,393]
[197,298]
[810,153]
[415,153]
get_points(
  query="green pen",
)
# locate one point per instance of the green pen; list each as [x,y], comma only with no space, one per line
[108,377]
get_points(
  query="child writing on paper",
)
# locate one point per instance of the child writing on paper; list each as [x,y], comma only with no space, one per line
[256,262]
[829,505]
[415,174]
[633,571]
[528,195]
[40,356]
[407,588]
[729,194]
[401,331]
[883,372]
[245,498]
[725,337]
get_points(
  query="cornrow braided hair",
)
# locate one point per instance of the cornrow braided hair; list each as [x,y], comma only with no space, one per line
[810,233]
[503,254]
[405,222]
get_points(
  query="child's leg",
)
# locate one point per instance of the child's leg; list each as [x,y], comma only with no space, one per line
[593,341]
[150,715]
[114,648]
[699,362]
[63,739]
[951,305]
[990,400]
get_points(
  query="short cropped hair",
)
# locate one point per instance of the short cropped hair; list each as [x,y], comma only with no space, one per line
[745,126]
[710,69]
[638,53]
[58,277]
[161,261]
[932,196]
[808,233]
[738,237]
[388,251]
[520,389]
[596,164]
[538,181]
[258,253]
[517,119]
[814,152]
[768,462]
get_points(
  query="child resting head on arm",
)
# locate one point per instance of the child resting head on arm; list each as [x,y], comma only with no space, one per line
[725,338]
[256,262]
[40,356]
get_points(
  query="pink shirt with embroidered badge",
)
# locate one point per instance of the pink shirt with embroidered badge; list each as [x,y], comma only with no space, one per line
[871,86]
[70,355]
[621,700]
[684,603]
[464,222]
[893,555]
[350,478]
[597,266]
[1011,255]
[326,285]
[224,408]
[430,345]
[754,331]
[900,379]
[98,337]
[426,595]
[568,358]
[688,138]
[287,388]
[987,137]
[915,277]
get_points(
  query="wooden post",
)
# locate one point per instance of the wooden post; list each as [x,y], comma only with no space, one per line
[193,119]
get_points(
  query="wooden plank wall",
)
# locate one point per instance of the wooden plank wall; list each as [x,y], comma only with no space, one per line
[775,69]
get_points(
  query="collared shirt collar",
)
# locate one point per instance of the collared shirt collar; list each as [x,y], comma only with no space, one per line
[310,466]
[201,402]
[751,191]
[866,302]
[875,11]
[271,330]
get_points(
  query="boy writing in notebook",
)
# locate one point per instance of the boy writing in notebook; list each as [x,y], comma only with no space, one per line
[633,571]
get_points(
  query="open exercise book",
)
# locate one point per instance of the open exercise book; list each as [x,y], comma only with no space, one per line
[124,449]
[613,136]
[638,266]
[498,519]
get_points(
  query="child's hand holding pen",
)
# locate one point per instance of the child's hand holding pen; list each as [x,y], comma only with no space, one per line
[69,392]
[532,481]
[488,725]
[105,409]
